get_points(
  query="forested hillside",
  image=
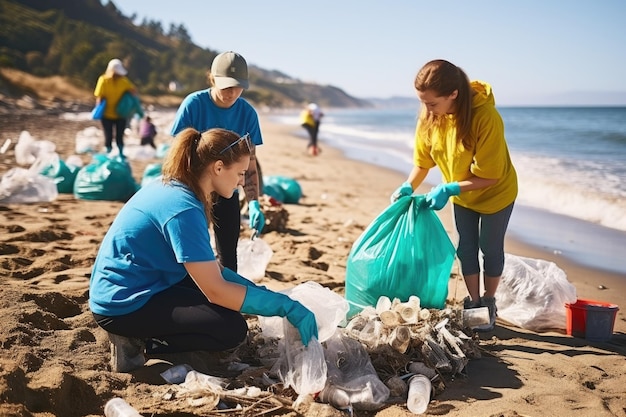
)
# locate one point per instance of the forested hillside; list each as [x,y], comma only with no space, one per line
[75,39]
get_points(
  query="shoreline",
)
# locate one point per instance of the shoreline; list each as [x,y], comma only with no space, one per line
[573,238]
[591,283]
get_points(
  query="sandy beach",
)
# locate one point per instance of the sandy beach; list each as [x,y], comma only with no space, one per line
[55,360]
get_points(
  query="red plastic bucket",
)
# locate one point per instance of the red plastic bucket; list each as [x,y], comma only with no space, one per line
[592,320]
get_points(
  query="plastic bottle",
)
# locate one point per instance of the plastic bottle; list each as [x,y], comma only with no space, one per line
[335,396]
[419,394]
[117,407]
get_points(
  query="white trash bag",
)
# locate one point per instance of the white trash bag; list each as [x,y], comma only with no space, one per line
[330,310]
[253,256]
[28,149]
[532,294]
[20,185]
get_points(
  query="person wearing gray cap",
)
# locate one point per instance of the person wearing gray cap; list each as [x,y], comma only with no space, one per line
[222,106]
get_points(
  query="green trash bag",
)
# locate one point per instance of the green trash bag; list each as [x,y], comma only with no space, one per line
[105,179]
[275,191]
[129,105]
[62,174]
[291,189]
[162,150]
[151,173]
[404,251]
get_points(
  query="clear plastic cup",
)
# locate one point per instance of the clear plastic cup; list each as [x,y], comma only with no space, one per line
[117,407]
[420,388]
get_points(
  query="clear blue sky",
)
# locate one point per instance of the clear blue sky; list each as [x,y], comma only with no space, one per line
[531,51]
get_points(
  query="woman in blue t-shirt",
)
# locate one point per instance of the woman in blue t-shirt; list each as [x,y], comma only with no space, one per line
[156,285]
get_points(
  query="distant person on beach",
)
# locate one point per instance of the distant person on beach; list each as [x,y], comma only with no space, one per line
[156,286]
[221,105]
[111,86]
[461,132]
[147,131]
[310,119]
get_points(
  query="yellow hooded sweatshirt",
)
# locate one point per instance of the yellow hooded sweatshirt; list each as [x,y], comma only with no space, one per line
[489,157]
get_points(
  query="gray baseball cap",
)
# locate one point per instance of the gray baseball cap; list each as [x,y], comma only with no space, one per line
[229,69]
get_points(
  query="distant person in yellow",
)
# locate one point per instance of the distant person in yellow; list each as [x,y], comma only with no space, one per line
[461,132]
[310,119]
[111,86]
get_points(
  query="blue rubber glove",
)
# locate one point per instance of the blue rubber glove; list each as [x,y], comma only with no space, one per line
[231,276]
[438,196]
[257,219]
[403,191]
[269,303]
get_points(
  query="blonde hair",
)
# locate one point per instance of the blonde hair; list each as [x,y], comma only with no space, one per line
[443,78]
[191,154]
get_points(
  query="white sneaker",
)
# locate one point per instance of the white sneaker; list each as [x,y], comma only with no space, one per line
[127,354]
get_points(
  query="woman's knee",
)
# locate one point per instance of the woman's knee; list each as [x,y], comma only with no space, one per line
[235,332]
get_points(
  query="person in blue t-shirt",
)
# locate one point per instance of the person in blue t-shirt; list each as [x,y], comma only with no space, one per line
[156,285]
[222,106]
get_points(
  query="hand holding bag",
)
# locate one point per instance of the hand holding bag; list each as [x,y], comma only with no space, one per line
[404,251]
[98,111]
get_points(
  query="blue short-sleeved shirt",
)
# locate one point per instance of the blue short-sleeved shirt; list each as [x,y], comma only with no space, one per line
[200,112]
[158,229]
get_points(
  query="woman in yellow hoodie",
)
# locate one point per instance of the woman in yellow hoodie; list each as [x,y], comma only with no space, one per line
[111,86]
[461,132]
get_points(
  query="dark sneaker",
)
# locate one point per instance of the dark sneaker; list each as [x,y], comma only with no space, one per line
[490,303]
[127,354]
[468,303]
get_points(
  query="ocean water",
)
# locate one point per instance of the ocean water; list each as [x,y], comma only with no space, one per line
[571,165]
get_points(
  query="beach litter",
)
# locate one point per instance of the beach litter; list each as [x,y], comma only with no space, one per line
[370,362]
[365,365]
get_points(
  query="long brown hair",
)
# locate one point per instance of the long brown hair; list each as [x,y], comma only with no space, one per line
[443,77]
[192,152]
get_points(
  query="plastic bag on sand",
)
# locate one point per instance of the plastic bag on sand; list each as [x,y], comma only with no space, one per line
[532,293]
[304,368]
[88,140]
[62,173]
[253,255]
[105,178]
[350,370]
[28,150]
[21,185]
[330,310]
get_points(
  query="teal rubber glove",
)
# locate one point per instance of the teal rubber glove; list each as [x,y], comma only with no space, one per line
[403,191]
[257,219]
[438,196]
[231,276]
[269,303]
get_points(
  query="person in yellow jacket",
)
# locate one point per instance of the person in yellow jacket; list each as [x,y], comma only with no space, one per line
[111,86]
[462,133]
[310,119]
